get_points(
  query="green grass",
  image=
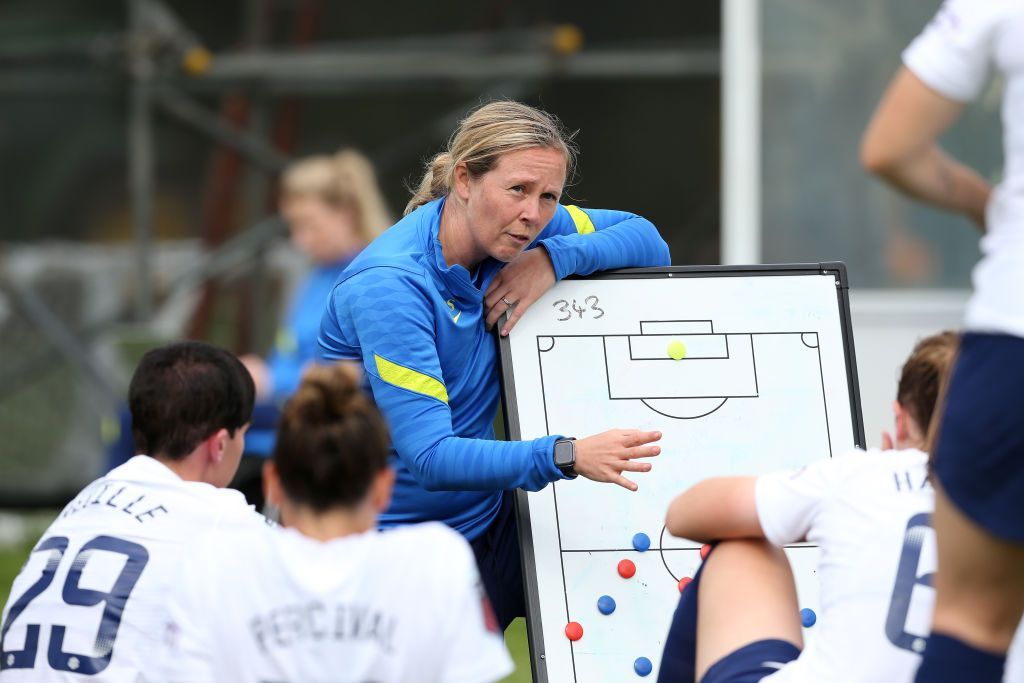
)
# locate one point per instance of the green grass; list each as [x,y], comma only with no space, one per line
[12,557]
[515,639]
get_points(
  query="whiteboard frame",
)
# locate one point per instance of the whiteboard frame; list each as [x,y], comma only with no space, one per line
[510,410]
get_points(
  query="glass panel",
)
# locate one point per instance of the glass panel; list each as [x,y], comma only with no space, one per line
[825,66]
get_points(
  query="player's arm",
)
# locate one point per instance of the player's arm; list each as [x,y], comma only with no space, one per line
[901,146]
[944,67]
[575,242]
[781,507]
[715,509]
[389,310]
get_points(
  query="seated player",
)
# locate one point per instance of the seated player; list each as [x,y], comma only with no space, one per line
[328,597]
[90,600]
[869,512]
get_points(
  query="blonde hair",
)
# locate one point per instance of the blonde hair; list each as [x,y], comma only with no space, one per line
[344,180]
[488,132]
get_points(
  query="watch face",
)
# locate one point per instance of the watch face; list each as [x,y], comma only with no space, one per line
[565,453]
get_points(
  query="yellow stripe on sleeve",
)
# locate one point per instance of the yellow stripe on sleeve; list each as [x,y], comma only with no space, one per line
[407,378]
[583,223]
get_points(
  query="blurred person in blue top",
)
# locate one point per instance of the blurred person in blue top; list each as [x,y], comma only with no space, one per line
[483,235]
[333,208]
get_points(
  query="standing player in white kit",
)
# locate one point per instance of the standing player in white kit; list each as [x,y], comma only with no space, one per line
[869,512]
[89,604]
[328,597]
[979,452]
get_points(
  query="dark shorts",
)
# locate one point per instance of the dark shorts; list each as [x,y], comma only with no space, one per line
[752,662]
[501,569]
[979,459]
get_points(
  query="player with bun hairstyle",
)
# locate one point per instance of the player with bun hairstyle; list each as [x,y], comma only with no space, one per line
[484,235]
[328,597]
[869,513]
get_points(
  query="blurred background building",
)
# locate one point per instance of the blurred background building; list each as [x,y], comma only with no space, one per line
[141,141]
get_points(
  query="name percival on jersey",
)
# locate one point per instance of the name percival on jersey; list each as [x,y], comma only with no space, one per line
[90,602]
[382,606]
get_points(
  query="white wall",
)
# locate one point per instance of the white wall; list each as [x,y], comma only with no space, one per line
[886,325]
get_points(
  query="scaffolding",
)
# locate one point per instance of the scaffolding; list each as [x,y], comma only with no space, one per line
[168,71]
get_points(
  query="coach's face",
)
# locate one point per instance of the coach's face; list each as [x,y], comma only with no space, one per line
[507,207]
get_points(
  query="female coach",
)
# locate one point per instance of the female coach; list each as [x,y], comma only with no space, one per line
[484,234]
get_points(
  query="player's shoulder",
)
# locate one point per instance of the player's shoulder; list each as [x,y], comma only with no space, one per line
[232,538]
[876,458]
[431,542]
[424,534]
[959,12]
[972,20]
[859,471]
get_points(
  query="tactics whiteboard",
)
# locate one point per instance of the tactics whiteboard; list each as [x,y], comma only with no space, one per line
[766,381]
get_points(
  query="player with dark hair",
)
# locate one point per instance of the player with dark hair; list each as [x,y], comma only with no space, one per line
[90,600]
[869,512]
[328,597]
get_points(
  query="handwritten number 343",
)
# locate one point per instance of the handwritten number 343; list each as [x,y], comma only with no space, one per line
[589,304]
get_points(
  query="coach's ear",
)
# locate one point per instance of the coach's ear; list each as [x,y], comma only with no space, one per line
[460,181]
[272,485]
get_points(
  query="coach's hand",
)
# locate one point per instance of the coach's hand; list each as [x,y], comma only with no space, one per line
[517,286]
[605,456]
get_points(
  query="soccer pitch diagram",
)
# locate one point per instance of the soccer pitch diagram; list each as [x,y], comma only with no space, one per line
[742,372]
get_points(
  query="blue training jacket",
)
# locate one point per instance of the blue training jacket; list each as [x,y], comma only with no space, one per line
[295,345]
[417,326]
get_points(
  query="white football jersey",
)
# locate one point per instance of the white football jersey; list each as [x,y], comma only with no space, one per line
[955,55]
[90,602]
[870,515]
[273,605]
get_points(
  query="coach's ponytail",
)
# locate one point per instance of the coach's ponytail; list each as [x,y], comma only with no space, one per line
[435,182]
[331,441]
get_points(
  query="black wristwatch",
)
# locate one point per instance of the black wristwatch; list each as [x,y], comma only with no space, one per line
[565,457]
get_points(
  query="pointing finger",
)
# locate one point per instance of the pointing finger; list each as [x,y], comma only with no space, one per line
[625,483]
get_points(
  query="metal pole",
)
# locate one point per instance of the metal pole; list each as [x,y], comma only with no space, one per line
[741,132]
[35,309]
[141,162]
